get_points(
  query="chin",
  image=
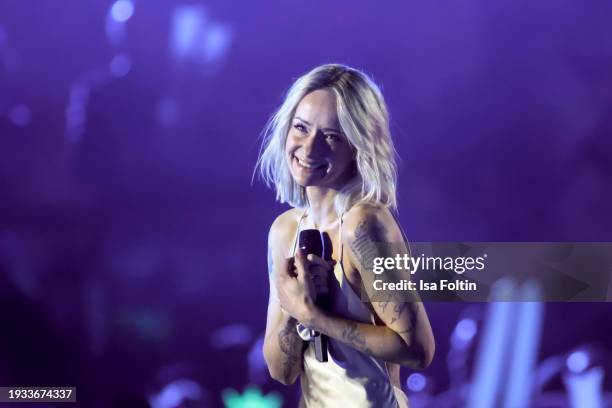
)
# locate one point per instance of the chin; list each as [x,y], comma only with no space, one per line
[306,183]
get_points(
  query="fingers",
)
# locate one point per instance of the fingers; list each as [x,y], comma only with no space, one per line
[317,260]
[322,290]
[313,260]
[303,262]
[321,285]
[301,265]
[316,268]
[288,268]
[320,279]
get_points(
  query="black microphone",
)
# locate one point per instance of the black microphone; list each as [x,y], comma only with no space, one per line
[311,242]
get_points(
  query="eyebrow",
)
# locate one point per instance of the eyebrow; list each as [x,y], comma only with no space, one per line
[309,124]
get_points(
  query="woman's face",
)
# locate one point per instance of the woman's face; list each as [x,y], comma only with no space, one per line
[317,152]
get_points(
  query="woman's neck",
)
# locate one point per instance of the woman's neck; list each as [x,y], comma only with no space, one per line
[322,208]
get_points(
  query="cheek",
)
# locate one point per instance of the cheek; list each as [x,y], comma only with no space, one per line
[345,157]
[290,144]
[290,148]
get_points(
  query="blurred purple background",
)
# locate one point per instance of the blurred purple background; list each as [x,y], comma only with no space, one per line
[132,243]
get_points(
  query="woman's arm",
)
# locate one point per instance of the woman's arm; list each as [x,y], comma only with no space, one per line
[402,348]
[406,338]
[283,346]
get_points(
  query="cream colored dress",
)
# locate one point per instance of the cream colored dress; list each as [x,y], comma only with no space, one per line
[349,379]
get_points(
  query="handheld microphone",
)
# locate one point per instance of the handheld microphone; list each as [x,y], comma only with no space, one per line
[311,242]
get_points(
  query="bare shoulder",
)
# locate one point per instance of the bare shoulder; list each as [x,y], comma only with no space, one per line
[374,221]
[283,227]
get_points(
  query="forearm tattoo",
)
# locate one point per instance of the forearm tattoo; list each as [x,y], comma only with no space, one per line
[398,310]
[290,345]
[289,341]
[352,336]
[409,325]
[385,303]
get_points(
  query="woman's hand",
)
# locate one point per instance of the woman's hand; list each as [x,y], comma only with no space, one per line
[320,271]
[300,281]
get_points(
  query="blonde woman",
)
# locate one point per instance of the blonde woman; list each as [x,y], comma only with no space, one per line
[328,153]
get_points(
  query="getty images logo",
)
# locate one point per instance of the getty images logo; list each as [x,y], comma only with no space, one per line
[459,264]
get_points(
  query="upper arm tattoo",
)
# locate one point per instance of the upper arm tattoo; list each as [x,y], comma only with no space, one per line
[366,245]
[367,233]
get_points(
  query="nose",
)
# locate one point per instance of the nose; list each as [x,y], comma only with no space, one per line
[314,144]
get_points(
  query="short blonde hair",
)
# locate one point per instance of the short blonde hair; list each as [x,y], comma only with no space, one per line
[364,121]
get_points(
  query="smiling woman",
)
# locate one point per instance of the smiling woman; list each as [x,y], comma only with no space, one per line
[326,158]
[328,152]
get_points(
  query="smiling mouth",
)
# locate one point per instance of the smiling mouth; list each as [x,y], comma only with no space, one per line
[309,166]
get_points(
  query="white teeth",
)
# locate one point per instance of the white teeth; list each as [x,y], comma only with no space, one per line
[306,165]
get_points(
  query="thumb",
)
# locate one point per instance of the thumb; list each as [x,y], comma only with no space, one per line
[300,255]
[301,265]
[284,272]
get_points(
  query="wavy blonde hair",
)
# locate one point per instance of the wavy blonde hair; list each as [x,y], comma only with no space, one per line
[364,121]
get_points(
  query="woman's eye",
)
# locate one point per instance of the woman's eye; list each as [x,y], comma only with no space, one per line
[300,127]
[332,136]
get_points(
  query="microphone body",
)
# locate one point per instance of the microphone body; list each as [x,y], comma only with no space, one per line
[311,242]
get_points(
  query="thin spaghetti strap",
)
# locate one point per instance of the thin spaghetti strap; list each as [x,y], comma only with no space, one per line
[297,232]
[340,238]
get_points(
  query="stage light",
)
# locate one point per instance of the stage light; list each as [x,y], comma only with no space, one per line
[122,10]
[216,41]
[577,361]
[585,389]
[187,23]
[231,335]
[464,332]
[466,329]
[197,37]
[258,369]
[496,335]
[120,65]
[584,376]
[176,393]
[523,351]
[251,398]
[416,382]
